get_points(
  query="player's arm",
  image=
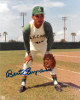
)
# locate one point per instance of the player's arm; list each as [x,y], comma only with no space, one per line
[26,37]
[49,35]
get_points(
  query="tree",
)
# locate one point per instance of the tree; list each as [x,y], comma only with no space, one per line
[73,36]
[12,41]
[63,40]
[5,33]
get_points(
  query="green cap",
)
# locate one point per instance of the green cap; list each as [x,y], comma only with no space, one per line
[38,10]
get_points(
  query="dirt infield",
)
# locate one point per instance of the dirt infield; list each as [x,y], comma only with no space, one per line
[63,75]
[66,76]
[69,77]
[66,56]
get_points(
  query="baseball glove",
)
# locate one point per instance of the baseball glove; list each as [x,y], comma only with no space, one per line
[49,61]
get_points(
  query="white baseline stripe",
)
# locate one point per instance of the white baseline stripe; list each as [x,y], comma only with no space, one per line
[68,56]
[69,71]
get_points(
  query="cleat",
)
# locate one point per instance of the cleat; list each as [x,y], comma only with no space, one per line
[22,89]
[58,88]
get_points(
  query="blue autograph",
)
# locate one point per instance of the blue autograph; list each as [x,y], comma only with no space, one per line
[28,71]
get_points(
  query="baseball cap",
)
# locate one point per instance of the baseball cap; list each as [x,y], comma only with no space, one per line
[38,10]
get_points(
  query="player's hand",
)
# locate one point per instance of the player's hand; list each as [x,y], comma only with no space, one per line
[29,54]
[28,58]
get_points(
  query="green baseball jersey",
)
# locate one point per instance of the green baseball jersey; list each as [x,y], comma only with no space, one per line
[30,32]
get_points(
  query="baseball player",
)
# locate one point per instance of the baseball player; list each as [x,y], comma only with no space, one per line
[38,36]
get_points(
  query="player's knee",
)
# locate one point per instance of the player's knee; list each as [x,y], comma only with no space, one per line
[53,71]
[26,71]
[26,65]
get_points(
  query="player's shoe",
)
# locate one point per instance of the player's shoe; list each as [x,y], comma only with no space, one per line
[22,89]
[58,87]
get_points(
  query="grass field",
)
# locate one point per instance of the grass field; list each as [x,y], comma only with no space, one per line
[38,87]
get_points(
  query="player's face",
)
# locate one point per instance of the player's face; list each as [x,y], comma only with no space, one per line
[38,19]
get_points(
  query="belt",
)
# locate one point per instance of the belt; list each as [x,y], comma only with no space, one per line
[38,42]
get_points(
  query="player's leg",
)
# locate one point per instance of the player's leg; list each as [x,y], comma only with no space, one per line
[24,77]
[54,76]
[52,72]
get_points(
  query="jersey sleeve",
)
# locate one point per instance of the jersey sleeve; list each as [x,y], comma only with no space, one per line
[49,34]
[26,37]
